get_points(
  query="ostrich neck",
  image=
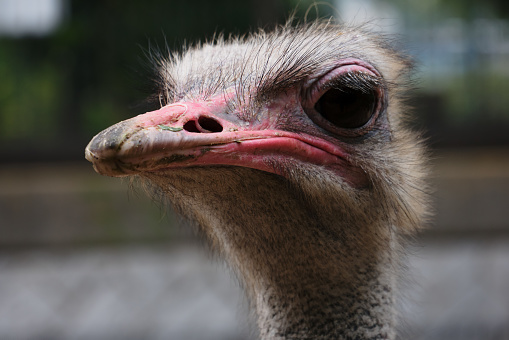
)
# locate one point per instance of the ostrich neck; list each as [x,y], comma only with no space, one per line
[321,288]
[309,274]
[332,301]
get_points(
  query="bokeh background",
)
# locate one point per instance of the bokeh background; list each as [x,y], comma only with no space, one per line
[86,257]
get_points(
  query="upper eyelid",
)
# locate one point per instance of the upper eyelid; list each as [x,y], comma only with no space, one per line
[367,80]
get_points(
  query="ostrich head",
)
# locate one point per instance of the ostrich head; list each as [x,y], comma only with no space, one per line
[289,151]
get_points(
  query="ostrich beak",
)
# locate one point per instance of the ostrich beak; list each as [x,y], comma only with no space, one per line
[199,134]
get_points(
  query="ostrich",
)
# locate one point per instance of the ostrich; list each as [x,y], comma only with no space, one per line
[289,150]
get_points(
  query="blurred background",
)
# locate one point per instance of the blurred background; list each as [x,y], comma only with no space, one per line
[86,257]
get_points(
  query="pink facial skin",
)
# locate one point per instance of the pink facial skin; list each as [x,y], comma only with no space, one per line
[186,134]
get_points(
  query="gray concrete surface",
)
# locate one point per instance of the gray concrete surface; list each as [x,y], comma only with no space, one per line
[453,291]
[155,292]
[457,289]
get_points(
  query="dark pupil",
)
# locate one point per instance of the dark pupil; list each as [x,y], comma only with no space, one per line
[346,107]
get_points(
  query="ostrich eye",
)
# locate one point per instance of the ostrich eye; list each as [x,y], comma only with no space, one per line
[346,107]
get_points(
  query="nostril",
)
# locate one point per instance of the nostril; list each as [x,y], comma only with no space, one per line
[209,124]
[190,126]
[204,124]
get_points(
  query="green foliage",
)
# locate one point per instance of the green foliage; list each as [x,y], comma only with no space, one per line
[477,97]
[29,97]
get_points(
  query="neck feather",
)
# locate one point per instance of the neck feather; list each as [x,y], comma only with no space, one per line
[314,285]
[310,271]
[353,302]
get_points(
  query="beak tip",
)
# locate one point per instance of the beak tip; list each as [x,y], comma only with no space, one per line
[100,152]
[89,155]
[105,167]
